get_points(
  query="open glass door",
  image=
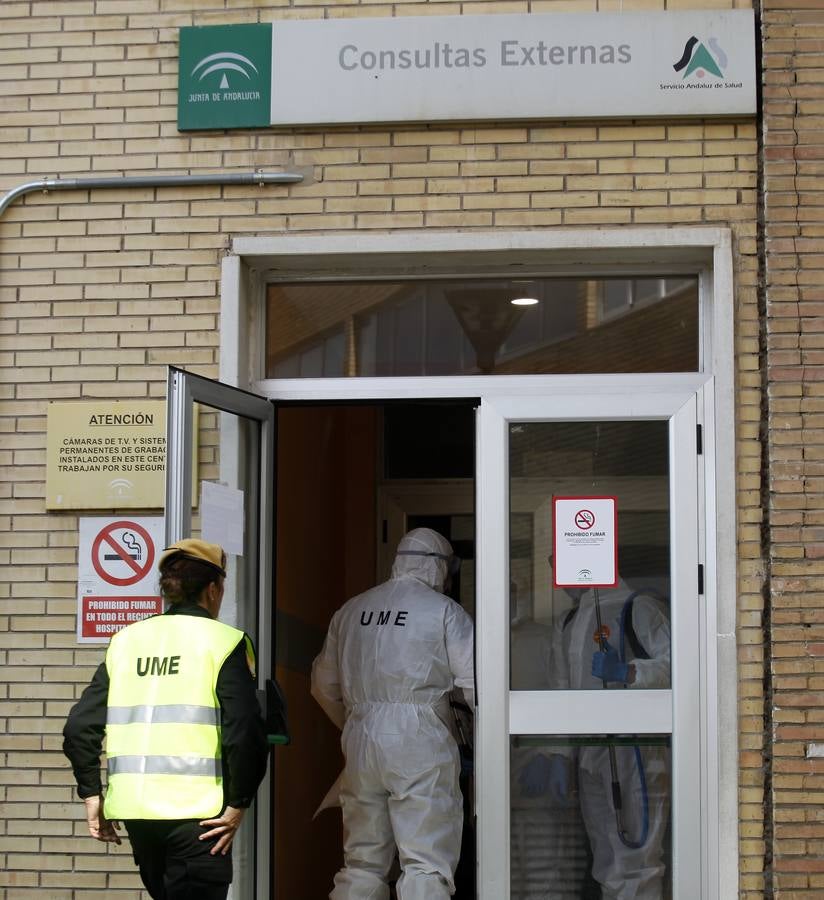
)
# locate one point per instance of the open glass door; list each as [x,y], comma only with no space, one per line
[235,439]
[589,782]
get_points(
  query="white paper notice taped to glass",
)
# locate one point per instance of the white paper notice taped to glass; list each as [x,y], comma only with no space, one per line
[222,516]
[585,541]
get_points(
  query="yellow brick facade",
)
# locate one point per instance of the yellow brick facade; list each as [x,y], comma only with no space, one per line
[100,290]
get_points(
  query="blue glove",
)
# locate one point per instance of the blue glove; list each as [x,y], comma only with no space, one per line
[467,762]
[535,777]
[559,779]
[607,666]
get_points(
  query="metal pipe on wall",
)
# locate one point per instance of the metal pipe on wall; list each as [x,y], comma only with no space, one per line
[138,181]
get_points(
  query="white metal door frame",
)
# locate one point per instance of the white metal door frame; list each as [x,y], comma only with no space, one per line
[679,398]
[676,711]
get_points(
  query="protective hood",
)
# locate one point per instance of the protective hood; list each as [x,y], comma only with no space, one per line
[423,554]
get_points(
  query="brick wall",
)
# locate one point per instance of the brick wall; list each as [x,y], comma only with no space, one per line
[98,292]
[793,35]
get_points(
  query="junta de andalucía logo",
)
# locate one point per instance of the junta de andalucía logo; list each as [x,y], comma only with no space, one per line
[224,77]
[228,62]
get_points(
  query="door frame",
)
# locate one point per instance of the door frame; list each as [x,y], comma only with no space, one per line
[679,399]
[706,251]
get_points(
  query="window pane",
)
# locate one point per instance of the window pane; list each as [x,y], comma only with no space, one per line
[311,363]
[616,298]
[566,839]
[472,327]
[552,643]
[646,290]
[335,356]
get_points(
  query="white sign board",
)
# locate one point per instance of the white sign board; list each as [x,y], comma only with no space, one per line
[498,67]
[117,581]
[585,541]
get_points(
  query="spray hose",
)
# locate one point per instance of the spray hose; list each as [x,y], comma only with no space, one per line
[639,761]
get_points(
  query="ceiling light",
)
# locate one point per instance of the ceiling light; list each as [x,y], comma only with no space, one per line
[524,301]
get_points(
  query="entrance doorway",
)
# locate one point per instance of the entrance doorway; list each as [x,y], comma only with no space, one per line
[351,480]
[341,319]
[337,503]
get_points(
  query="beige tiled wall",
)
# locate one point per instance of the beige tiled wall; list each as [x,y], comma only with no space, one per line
[100,291]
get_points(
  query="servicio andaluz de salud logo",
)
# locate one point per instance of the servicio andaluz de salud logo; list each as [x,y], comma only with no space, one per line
[701,66]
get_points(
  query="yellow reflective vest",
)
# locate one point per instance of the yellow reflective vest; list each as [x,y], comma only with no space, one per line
[163,718]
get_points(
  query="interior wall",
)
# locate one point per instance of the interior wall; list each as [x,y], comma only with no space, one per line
[325,553]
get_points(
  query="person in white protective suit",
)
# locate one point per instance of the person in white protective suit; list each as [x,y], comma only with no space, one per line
[636,655]
[391,657]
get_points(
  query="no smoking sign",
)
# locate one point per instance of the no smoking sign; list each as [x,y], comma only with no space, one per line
[584,519]
[117,576]
[123,553]
[585,541]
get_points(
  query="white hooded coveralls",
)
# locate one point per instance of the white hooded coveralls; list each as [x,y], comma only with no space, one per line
[623,873]
[391,656]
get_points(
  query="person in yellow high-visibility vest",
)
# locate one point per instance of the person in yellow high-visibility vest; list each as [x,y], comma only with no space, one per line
[185,740]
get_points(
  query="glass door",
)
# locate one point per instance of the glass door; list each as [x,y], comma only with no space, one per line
[588,732]
[231,491]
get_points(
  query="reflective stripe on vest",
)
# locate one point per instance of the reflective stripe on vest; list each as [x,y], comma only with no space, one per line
[174,714]
[164,765]
[163,739]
